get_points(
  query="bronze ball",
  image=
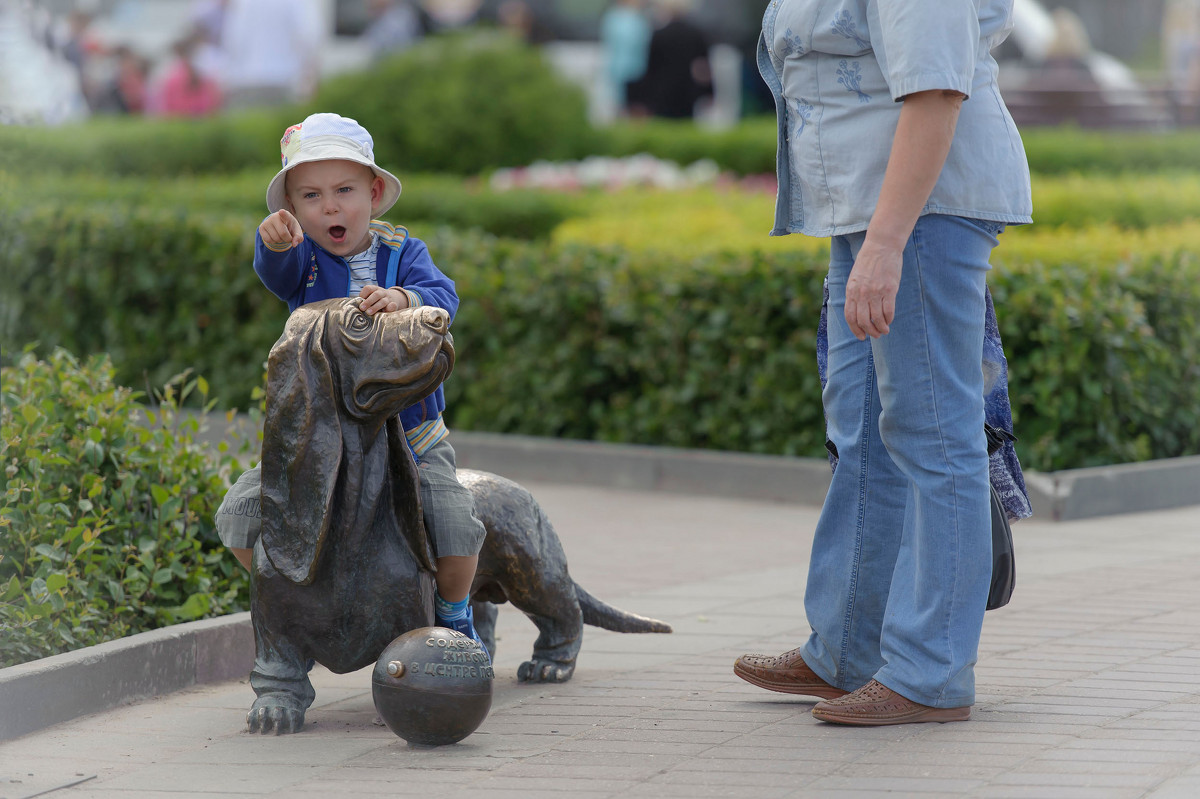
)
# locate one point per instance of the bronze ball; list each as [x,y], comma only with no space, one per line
[432,686]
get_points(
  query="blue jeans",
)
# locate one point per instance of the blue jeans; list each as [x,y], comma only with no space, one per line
[901,558]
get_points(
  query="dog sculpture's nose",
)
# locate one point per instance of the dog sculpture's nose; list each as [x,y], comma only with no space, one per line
[435,319]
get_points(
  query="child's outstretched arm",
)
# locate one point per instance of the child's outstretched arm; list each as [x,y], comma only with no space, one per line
[276,259]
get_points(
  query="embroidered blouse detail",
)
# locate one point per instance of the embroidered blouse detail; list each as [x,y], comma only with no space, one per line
[850,76]
[844,25]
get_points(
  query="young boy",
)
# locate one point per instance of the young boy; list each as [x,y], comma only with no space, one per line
[321,240]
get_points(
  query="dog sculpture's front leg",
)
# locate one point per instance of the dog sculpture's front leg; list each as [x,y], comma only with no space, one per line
[279,679]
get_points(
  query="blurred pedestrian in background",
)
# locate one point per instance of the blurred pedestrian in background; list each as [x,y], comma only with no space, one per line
[518,17]
[678,74]
[207,22]
[625,32]
[181,88]
[125,91]
[394,25]
[272,51]
[1181,55]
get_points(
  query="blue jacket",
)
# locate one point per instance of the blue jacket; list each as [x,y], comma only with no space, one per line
[306,273]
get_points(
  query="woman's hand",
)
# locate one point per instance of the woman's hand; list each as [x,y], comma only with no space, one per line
[919,148]
[871,290]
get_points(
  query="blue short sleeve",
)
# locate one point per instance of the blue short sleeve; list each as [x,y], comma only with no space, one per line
[924,45]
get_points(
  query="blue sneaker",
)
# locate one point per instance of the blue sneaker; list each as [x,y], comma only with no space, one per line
[466,626]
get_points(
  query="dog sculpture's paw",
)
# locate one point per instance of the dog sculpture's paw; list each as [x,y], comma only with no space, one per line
[539,670]
[265,718]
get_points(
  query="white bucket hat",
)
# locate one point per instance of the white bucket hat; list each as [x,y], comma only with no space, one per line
[326,137]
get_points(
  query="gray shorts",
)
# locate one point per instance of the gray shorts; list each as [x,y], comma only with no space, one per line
[449,507]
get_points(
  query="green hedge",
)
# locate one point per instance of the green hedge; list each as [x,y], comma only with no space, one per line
[601,344]
[106,523]
[749,148]
[426,199]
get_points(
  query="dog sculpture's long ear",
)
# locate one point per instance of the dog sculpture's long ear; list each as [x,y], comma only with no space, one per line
[302,447]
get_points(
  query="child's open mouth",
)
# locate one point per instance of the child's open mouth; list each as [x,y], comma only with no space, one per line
[337,233]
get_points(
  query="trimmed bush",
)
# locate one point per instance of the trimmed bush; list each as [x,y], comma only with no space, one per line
[158,290]
[426,200]
[464,103]
[106,527]
[147,147]
[600,343]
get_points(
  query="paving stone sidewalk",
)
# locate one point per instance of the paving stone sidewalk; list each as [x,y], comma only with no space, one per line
[1089,684]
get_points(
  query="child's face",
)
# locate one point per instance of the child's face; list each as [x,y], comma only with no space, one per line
[334,202]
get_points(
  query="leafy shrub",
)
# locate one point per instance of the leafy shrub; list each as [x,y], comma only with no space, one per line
[427,199]
[158,290]
[146,146]
[106,527]
[1104,359]
[749,147]
[464,103]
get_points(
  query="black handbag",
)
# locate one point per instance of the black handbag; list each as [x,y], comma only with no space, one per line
[1004,565]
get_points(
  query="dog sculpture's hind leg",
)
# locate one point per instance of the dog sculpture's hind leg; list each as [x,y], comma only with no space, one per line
[522,562]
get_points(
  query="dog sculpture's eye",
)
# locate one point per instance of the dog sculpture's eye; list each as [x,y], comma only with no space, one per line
[360,322]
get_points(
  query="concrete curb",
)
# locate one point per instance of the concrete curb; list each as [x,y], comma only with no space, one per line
[1061,496]
[52,690]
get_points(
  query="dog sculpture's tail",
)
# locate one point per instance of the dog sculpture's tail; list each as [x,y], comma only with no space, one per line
[605,616]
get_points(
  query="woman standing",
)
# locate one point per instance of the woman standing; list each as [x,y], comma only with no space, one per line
[895,142]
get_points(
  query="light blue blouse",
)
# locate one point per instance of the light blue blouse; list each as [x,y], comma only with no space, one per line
[837,69]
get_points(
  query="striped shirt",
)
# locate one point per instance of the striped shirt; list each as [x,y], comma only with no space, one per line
[362,266]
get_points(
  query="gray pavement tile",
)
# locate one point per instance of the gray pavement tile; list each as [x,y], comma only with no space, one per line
[709,791]
[299,750]
[236,777]
[703,738]
[891,759]
[625,746]
[807,767]
[1032,776]
[917,785]
[565,785]
[1084,752]
[544,793]
[747,780]
[547,768]
[1054,792]
[154,793]
[659,723]
[1177,788]
[814,793]
[1097,768]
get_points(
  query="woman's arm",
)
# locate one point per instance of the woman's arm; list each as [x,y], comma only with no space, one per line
[919,150]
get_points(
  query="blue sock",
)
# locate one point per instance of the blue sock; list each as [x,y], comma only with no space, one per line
[458,616]
[450,611]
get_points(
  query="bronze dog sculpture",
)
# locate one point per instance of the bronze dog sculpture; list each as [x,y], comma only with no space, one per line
[343,565]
